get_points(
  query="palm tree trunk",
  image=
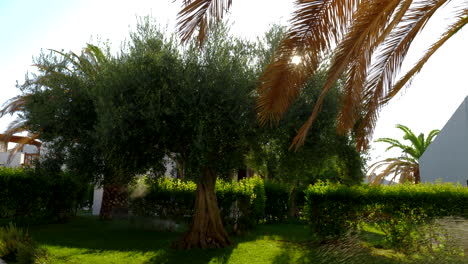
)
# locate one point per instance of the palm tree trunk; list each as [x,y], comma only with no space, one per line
[417,176]
[207,230]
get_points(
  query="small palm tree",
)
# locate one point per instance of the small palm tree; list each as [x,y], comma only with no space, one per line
[86,64]
[406,167]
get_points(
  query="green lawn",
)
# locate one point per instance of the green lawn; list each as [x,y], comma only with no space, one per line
[86,240]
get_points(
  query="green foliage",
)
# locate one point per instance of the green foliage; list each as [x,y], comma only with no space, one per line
[251,201]
[135,97]
[406,166]
[38,193]
[242,204]
[16,246]
[214,116]
[277,205]
[334,209]
[165,198]
[418,143]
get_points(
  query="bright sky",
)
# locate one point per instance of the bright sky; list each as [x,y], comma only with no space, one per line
[27,26]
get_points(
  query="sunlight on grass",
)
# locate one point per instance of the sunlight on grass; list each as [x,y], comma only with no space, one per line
[86,240]
[82,255]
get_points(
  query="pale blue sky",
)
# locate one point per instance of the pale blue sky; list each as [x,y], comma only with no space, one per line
[26,27]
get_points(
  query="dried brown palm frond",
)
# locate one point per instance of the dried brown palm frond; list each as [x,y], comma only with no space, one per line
[14,105]
[363,30]
[357,74]
[29,140]
[388,61]
[452,30]
[399,170]
[316,25]
[354,53]
[15,127]
[200,14]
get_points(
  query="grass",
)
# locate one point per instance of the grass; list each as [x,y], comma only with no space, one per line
[86,240]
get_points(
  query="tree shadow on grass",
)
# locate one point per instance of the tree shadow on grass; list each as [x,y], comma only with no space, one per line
[96,237]
[348,251]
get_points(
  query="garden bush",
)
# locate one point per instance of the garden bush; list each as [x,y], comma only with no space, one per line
[334,209]
[37,193]
[241,204]
[277,204]
[16,246]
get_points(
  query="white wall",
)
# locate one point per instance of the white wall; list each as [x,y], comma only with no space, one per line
[97,200]
[15,161]
[446,158]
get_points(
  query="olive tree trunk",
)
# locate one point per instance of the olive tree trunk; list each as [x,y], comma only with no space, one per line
[114,196]
[293,209]
[207,230]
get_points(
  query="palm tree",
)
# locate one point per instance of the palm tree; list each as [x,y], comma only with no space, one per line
[86,64]
[54,73]
[367,40]
[405,167]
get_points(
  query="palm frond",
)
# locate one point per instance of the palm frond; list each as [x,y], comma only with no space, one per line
[200,14]
[393,143]
[418,146]
[356,76]
[389,60]
[14,105]
[315,26]
[356,49]
[401,168]
[16,126]
[431,137]
[19,145]
[451,31]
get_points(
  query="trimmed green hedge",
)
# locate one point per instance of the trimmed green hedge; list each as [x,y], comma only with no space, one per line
[242,204]
[333,209]
[34,194]
[277,206]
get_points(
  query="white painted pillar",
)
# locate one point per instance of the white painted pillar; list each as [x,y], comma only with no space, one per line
[97,200]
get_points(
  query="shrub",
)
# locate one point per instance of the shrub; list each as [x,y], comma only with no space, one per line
[333,209]
[163,197]
[251,198]
[241,204]
[36,193]
[277,201]
[16,246]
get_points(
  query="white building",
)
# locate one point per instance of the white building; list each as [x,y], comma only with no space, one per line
[24,157]
[446,159]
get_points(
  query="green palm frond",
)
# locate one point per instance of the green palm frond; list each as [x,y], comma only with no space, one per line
[431,137]
[405,167]
[393,143]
